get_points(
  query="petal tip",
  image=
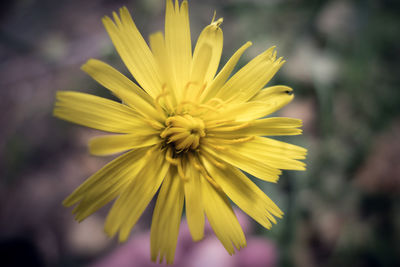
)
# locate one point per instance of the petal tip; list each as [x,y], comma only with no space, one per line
[248,43]
[67,202]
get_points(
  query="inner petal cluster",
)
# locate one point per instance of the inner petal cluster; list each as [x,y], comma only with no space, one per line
[183,132]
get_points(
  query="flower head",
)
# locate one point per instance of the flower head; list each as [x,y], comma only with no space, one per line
[188,133]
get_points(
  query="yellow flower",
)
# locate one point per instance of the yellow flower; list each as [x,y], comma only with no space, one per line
[188,132]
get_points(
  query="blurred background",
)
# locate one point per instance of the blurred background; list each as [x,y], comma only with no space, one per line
[343,63]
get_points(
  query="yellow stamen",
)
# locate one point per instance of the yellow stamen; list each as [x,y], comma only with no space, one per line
[181,172]
[186,89]
[216,147]
[155,124]
[176,162]
[199,106]
[218,101]
[202,170]
[213,160]
[164,93]
[200,92]
[173,161]
[184,131]
[213,18]
[170,159]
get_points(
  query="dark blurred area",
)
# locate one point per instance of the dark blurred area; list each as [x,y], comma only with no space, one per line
[343,63]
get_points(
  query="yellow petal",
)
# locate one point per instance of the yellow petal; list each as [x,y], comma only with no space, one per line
[97,112]
[223,75]
[269,126]
[134,199]
[107,188]
[211,37]
[274,153]
[241,190]
[249,80]
[157,44]
[93,200]
[274,126]
[279,147]
[257,168]
[112,144]
[178,43]
[166,219]
[222,218]
[266,102]
[122,87]
[114,175]
[277,91]
[194,88]
[134,51]
[194,203]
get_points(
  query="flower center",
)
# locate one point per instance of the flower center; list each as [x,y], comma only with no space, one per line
[184,132]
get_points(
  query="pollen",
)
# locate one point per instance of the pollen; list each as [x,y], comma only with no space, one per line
[184,132]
